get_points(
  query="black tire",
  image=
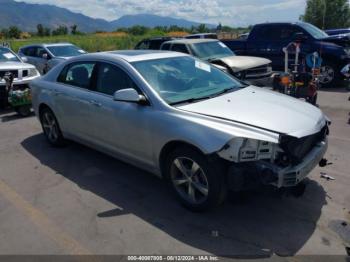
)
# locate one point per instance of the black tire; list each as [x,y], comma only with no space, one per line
[330,82]
[210,175]
[51,128]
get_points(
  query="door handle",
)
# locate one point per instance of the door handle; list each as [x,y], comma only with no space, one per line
[95,103]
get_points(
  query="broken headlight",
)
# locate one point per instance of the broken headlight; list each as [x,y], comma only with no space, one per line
[33,72]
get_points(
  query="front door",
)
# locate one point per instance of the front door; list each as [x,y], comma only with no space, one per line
[120,127]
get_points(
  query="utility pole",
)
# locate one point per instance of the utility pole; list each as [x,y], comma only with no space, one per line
[324,13]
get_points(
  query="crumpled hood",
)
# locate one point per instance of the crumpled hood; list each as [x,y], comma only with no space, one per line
[239,63]
[263,109]
[14,65]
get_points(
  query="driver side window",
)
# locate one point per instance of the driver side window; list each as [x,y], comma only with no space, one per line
[110,79]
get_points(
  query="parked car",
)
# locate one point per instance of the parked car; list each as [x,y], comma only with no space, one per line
[243,36]
[153,43]
[22,72]
[46,56]
[338,31]
[181,119]
[255,70]
[268,40]
[202,36]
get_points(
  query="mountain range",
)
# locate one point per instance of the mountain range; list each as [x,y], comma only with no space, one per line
[27,16]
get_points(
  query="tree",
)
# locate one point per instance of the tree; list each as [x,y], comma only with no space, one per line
[61,30]
[40,30]
[202,28]
[47,31]
[138,30]
[13,32]
[74,29]
[327,14]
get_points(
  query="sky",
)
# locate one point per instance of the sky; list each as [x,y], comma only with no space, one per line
[227,12]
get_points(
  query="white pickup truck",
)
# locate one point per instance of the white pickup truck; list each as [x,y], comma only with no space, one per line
[22,72]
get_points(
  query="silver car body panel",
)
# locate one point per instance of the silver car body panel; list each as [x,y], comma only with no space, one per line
[137,134]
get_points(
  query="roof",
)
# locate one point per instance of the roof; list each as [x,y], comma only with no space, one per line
[192,41]
[48,44]
[135,55]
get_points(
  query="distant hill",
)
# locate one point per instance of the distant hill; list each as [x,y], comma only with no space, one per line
[149,20]
[27,16]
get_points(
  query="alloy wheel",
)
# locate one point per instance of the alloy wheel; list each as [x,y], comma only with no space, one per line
[189,180]
[327,74]
[50,126]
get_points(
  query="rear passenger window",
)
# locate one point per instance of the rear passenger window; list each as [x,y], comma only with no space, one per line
[180,48]
[143,45]
[78,74]
[29,51]
[111,79]
[166,46]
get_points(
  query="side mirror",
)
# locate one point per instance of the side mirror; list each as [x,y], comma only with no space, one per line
[45,56]
[300,37]
[24,59]
[129,95]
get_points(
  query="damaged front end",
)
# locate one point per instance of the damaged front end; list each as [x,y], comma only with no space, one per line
[284,164]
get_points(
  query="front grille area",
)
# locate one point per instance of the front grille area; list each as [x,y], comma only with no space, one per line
[297,148]
[25,73]
[258,71]
[14,72]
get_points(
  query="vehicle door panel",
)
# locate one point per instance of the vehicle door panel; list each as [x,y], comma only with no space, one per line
[72,98]
[121,127]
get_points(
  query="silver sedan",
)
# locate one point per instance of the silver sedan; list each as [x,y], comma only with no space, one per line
[182,119]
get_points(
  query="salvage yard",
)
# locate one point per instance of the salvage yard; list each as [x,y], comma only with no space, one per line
[75,200]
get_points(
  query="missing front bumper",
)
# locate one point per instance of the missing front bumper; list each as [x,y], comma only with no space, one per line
[269,174]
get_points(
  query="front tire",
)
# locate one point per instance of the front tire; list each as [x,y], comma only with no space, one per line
[198,184]
[51,128]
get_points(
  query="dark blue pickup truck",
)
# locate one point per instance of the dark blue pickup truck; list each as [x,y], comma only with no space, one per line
[268,40]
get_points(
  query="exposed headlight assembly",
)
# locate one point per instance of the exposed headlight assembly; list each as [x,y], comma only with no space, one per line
[245,150]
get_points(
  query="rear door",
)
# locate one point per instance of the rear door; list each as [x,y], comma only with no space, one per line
[72,98]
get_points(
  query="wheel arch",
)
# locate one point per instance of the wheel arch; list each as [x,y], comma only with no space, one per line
[41,107]
[171,146]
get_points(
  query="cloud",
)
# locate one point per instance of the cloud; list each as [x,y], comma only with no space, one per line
[229,12]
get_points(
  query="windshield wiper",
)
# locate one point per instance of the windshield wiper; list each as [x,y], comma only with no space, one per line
[227,90]
[190,100]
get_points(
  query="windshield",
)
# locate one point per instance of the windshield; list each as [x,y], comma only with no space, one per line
[314,31]
[7,55]
[65,50]
[185,79]
[211,50]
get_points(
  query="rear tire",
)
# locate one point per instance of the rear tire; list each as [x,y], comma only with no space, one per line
[51,128]
[198,184]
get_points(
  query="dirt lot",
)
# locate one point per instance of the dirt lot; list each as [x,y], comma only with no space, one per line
[78,201]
